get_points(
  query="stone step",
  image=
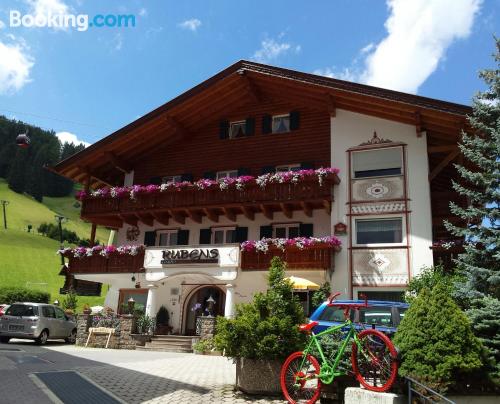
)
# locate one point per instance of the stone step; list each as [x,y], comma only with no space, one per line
[172,337]
[164,349]
[175,343]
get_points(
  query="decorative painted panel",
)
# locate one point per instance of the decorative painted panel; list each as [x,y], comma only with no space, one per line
[377,208]
[373,189]
[379,267]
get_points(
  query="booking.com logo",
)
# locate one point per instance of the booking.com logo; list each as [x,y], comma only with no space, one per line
[82,22]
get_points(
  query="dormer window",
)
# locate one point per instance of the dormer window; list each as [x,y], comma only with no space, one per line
[281,123]
[237,129]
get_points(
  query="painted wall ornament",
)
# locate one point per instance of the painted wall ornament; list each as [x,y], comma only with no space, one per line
[377,190]
[340,229]
[375,140]
[379,262]
[133,233]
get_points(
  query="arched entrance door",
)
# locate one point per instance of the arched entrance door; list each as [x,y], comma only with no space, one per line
[199,304]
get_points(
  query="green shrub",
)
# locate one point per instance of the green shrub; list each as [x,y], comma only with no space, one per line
[320,295]
[428,278]
[162,317]
[9,295]
[70,301]
[267,327]
[436,341]
[205,345]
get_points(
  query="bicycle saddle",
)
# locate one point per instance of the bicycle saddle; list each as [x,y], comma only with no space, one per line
[308,327]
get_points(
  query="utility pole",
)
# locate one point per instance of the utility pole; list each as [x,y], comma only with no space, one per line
[4,204]
[60,219]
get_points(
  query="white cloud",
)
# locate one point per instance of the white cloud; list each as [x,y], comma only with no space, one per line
[143,12]
[342,74]
[15,65]
[270,50]
[43,8]
[418,34]
[117,41]
[193,24]
[68,137]
[2,24]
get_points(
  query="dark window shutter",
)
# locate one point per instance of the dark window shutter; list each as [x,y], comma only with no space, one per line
[187,177]
[267,124]
[241,234]
[307,166]
[150,238]
[294,120]
[268,169]
[155,180]
[249,126]
[205,236]
[183,237]
[209,175]
[224,129]
[306,230]
[243,171]
[266,231]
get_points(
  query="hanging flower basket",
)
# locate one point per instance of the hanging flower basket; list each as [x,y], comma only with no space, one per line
[299,243]
[100,250]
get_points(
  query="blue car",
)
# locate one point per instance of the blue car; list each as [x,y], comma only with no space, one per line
[384,316]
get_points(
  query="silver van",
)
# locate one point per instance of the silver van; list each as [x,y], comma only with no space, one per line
[36,321]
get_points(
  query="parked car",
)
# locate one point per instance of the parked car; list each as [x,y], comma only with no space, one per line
[3,308]
[36,321]
[384,316]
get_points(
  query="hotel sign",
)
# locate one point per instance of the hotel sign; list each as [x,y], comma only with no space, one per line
[190,256]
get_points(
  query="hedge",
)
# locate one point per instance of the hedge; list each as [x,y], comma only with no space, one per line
[9,295]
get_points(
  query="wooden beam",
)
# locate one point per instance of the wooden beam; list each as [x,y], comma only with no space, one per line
[229,214]
[286,210]
[328,206]
[146,219]
[110,222]
[418,124]
[447,160]
[129,219]
[87,183]
[177,216]
[92,234]
[330,102]
[194,216]
[442,148]
[248,212]
[211,214]
[161,218]
[266,211]
[179,129]
[118,162]
[306,207]
[250,87]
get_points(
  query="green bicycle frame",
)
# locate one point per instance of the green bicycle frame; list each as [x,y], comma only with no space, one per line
[329,370]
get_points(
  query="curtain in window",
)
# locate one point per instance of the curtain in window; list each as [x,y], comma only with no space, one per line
[380,159]
[379,231]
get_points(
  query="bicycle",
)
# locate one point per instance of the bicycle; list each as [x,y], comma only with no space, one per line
[373,359]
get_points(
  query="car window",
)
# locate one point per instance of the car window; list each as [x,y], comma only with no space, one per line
[59,314]
[376,315]
[48,311]
[22,310]
[333,314]
[402,311]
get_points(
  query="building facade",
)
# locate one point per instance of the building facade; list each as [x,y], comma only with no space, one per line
[356,178]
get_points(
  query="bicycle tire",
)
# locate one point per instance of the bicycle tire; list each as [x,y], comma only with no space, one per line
[300,395]
[376,367]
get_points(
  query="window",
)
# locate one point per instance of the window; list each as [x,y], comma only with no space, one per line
[226,174]
[382,295]
[379,231]
[237,129]
[334,314]
[48,312]
[381,316]
[281,123]
[59,314]
[286,230]
[289,167]
[171,178]
[223,235]
[23,310]
[140,297]
[376,163]
[167,237]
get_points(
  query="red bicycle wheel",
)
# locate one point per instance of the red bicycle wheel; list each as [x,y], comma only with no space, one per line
[374,362]
[299,381]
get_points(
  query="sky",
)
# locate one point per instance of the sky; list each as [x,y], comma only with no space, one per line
[85,84]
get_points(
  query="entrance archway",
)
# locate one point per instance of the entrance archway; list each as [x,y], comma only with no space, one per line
[198,304]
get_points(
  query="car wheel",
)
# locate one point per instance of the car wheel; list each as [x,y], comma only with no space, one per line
[42,338]
[4,340]
[72,337]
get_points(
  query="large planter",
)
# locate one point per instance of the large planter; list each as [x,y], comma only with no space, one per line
[254,376]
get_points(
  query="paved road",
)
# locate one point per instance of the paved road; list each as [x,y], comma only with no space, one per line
[131,376]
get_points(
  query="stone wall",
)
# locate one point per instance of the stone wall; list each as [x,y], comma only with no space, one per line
[207,327]
[122,339]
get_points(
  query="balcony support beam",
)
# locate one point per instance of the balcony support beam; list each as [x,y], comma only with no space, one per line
[129,219]
[194,216]
[306,207]
[161,218]
[211,214]
[328,206]
[177,216]
[267,211]
[286,210]
[229,214]
[146,219]
[248,212]
[118,162]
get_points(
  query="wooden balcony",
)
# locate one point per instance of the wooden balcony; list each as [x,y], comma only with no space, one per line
[317,257]
[114,264]
[306,196]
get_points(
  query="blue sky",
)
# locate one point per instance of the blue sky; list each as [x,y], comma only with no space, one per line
[90,83]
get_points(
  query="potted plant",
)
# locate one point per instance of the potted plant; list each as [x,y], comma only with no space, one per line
[162,319]
[263,333]
[87,309]
[69,303]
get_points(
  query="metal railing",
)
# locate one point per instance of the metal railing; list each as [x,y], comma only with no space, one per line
[425,394]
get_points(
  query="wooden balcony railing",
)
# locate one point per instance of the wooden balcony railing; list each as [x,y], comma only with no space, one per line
[306,195]
[317,257]
[115,263]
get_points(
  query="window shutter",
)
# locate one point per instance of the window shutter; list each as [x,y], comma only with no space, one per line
[187,177]
[268,169]
[249,126]
[241,234]
[224,129]
[205,236]
[267,124]
[243,171]
[155,180]
[183,237]
[307,166]
[266,231]
[306,230]
[294,120]
[149,238]
[209,175]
